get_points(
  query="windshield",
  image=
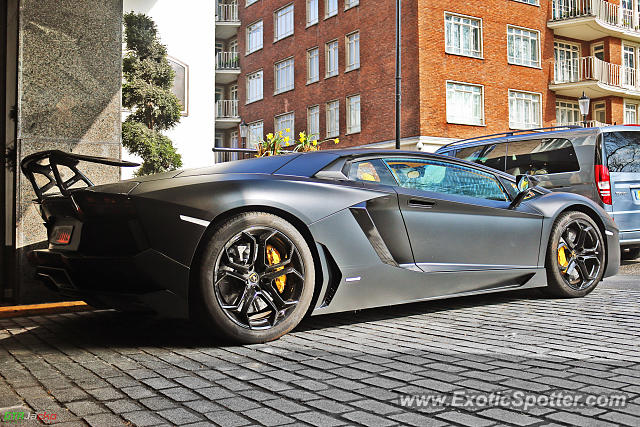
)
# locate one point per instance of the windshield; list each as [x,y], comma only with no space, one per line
[623,151]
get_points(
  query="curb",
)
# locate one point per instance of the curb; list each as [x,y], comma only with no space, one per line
[42,309]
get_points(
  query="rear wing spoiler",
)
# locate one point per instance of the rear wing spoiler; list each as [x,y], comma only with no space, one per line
[32,165]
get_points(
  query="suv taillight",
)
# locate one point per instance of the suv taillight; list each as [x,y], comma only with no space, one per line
[603,183]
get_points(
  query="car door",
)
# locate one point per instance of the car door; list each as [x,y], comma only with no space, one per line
[458,221]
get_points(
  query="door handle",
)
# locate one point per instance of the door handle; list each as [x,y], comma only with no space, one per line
[417,203]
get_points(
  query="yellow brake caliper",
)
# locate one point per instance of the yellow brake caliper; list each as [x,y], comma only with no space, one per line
[562,258]
[273,257]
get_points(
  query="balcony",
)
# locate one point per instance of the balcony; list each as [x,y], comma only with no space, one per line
[590,124]
[227,116]
[593,19]
[594,77]
[227,22]
[227,67]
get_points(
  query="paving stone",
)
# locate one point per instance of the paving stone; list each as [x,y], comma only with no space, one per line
[123,405]
[143,418]
[367,419]
[85,407]
[102,420]
[318,419]
[179,416]
[509,417]
[267,417]
[138,392]
[417,420]
[464,419]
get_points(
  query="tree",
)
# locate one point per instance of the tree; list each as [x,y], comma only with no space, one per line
[147,93]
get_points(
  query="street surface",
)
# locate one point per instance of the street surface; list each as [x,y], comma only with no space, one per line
[104,368]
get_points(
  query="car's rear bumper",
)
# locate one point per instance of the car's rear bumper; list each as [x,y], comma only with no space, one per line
[148,281]
[630,238]
[613,253]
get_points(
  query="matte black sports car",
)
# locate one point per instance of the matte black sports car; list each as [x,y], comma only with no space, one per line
[251,247]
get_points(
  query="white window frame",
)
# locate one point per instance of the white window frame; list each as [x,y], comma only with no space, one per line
[315,8]
[347,50]
[258,46]
[278,126]
[313,77]
[351,126]
[277,34]
[635,105]
[538,50]
[277,87]
[348,4]
[464,120]
[452,50]
[327,50]
[250,2]
[255,133]
[568,106]
[332,132]
[329,13]
[260,92]
[529,2]
[514,125]
[597,107]
[315,115]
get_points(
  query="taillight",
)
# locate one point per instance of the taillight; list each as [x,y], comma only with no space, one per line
[603,183]
[100,205]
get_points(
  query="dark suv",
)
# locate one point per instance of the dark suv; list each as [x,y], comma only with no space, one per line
[600,163]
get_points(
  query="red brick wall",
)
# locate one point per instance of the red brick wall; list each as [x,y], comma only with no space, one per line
[374,81]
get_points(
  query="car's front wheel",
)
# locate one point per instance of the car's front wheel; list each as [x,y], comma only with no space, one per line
[575,256]
[256,278]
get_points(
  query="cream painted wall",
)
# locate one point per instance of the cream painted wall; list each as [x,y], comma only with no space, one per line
[187,28]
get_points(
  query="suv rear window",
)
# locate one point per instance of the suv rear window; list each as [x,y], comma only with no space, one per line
[491,155]
[623,151]
[541,157]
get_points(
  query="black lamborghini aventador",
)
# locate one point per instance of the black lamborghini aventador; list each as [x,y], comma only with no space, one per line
[250,247]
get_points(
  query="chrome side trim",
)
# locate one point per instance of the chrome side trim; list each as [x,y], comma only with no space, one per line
[353,279]
[443,267]
[193,220]
[624,212]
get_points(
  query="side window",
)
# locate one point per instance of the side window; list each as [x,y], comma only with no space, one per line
[446,178]
[491,155]
[541,157]
[371,171]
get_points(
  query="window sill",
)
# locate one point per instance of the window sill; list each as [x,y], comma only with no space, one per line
[331,76]
[330,16]
[310,82]
[282,38]
[353,132]
[353,5]
[351,69]
[537,67]
[253,51]
[512,127]
[283,91]
[254,101]
[465,55]
[454,122]
[311,24]
[527,3]
[332,136]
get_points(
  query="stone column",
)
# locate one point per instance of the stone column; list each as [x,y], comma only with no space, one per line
[69,82]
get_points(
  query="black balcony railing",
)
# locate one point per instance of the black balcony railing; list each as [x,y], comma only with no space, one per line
[230,154]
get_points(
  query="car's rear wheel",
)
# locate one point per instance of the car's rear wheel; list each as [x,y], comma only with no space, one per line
[256,278]
[575,256]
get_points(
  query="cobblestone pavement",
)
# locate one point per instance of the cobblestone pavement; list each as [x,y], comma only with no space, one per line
[106,369]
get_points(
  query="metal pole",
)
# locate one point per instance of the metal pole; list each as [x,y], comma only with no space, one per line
[398,71]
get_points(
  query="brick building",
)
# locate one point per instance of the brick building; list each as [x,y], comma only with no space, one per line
[327,67]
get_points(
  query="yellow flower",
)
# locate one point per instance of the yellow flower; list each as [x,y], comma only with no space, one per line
[315,142]
[269,136]
[280,134]
[286,139]
[287,130]
[336,141]
[301,134]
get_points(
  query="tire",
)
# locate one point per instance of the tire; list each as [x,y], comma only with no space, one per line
[580,267]
[629,254]
[248,301]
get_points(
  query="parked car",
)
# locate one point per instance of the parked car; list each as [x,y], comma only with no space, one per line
[250,247]
[601,163]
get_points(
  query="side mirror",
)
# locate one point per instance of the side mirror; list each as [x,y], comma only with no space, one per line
[524,184]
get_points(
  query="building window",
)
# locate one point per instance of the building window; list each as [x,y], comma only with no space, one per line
[524,110]
[234,139]
[352,51]
[254,37]
[313,122]
[533,2]
[523,47]
[567,113]
[255,133]
[283,22]
[333,119]
[465,104]
[332,58]
[250,2]
[284,75]
[353,114]
[630,113]
[312,12]
[567,62]
[348,4]
[463,35]
[313,65]
[254,86]
[331,8]
[284,124]
[600,113]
